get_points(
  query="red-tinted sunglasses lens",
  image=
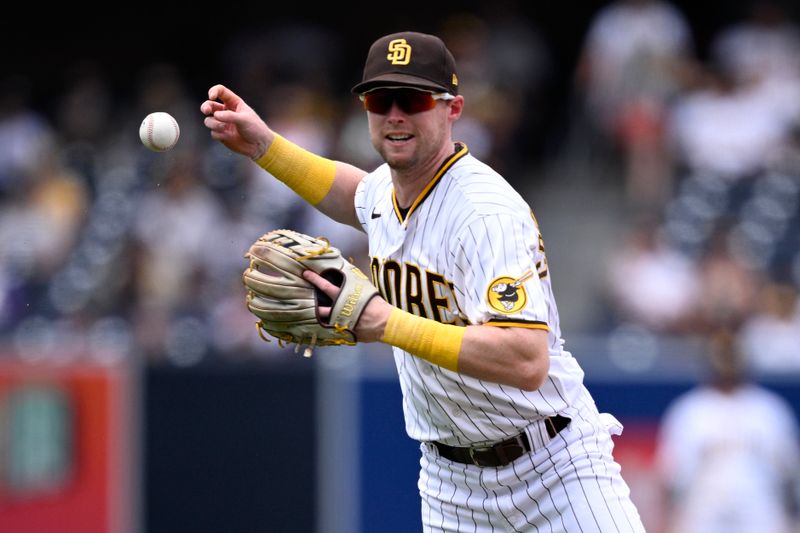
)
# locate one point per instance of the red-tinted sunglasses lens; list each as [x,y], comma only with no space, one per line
[409,101]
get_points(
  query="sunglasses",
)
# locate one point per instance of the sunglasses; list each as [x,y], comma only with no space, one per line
[410,101]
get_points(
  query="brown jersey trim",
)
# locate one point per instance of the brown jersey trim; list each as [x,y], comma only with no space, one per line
[461,151]
[510,323]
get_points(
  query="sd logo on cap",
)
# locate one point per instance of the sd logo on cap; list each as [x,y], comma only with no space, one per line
[409,59]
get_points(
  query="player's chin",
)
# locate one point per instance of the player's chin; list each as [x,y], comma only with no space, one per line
[398,159]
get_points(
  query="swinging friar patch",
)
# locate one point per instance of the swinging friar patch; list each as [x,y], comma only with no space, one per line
[507,294]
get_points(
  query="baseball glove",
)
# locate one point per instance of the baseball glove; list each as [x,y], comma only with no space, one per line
[286,305]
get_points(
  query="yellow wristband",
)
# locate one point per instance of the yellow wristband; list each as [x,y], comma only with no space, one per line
[307,174]
[435,342]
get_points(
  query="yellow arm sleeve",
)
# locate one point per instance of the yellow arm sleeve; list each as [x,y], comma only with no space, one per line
[307,174]
[435,342]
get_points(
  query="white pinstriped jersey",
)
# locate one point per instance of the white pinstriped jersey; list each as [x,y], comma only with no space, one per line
[467,251]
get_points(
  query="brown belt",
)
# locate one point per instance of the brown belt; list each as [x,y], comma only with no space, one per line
[500,453]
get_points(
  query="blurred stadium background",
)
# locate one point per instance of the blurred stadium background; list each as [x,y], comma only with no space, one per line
[658,144]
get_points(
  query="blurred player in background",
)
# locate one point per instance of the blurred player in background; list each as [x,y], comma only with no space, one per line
[510,438]
[728,453]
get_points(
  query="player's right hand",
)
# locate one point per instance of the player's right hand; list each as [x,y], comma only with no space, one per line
[372,322]
[234,123]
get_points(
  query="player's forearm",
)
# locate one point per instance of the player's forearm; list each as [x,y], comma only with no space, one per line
[326,184]
[511,356]
[309,175]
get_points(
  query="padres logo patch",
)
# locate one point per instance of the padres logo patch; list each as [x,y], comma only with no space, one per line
[507,295]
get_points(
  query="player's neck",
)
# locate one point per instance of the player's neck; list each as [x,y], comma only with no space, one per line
[410,182]
[408,186]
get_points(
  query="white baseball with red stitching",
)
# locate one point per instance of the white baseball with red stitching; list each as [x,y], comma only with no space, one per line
[159,131]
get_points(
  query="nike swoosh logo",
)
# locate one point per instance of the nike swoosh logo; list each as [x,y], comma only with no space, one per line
[375,215]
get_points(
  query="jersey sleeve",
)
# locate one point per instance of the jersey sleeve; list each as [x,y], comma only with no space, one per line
[498,263]
[371,195]
[360,201]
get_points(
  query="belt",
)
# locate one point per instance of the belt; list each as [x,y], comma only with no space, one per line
[500,453]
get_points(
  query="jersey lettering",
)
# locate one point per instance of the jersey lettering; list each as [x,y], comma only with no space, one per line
[424,293]
[541,265]
[414,303]
[392,273]
[437,285]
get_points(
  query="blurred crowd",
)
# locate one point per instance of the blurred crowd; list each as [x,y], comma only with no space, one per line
[708,154]
[109,249]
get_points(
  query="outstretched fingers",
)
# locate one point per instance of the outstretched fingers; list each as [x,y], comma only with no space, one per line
[221,99]
[209,107]
[234,123]
[225,95]
[223,107]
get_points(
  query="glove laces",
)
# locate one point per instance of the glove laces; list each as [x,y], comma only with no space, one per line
[320,251]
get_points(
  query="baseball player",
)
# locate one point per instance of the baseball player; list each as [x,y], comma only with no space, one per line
[510,438]
[740,473]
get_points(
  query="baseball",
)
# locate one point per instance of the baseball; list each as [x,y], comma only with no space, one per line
[159,131]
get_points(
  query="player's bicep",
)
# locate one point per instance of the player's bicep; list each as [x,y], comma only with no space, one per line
[516,356]
[339,202]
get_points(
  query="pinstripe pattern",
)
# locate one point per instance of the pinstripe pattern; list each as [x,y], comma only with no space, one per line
[569,484]
[467,234]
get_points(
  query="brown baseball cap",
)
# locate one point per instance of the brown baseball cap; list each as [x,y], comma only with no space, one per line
[409,59]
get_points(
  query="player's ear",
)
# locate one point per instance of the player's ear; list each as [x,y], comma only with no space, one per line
[455,107]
